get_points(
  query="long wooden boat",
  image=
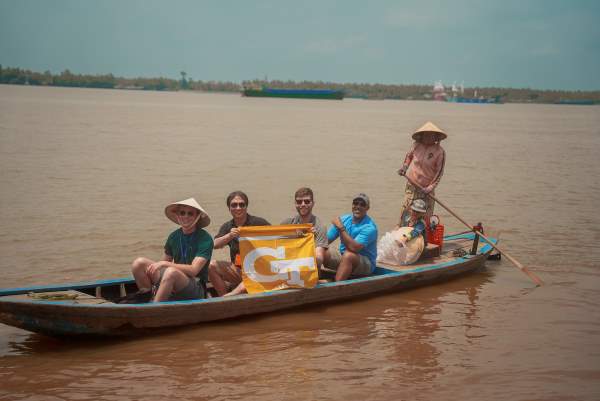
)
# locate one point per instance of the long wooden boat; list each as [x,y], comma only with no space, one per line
[88,308]
[294,93]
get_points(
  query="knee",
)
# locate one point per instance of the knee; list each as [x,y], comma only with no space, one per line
[349,255]
[170,274]
[139,264]
[212,268]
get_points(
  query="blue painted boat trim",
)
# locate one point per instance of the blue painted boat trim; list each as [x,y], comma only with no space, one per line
[65,287]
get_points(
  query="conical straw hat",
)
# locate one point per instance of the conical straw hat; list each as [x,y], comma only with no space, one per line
[429,127]
[203,218]
[414,247]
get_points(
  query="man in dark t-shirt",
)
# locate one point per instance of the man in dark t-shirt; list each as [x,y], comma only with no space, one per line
[227,275]
[181,273]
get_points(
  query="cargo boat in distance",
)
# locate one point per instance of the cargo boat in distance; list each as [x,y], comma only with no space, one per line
[327,94]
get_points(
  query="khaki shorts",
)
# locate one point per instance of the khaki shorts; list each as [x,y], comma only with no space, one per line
[363,268]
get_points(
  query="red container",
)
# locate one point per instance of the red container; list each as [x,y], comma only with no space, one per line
[435,235]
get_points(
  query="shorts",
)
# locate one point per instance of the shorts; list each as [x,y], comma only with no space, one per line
[410,194]
[364,267]
[193,290]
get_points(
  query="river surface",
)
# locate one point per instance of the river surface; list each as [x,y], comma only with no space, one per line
[86,174]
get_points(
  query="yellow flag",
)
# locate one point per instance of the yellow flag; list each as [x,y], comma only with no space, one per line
[277,257]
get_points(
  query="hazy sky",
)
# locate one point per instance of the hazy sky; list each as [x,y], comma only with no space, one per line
[544,44]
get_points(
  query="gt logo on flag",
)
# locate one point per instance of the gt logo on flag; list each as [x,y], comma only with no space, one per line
[276,257]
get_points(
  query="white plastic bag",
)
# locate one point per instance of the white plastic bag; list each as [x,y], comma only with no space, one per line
[390,251]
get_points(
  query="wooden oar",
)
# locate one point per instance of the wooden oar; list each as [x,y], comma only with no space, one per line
[515,262]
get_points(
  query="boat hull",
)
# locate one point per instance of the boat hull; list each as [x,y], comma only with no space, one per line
[295,93]
[69,318]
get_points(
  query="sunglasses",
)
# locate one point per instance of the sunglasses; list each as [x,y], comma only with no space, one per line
[189,213]
[303,201]
[359,203]
[237,205]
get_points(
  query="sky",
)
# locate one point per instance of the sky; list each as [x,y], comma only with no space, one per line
[539,44]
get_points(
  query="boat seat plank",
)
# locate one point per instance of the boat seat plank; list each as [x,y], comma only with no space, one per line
[69,296]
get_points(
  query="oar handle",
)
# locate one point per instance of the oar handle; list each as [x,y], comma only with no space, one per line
[535,278]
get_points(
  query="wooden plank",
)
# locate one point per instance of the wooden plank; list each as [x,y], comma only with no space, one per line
[69,297]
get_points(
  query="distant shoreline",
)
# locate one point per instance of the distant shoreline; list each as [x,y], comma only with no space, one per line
[17,76]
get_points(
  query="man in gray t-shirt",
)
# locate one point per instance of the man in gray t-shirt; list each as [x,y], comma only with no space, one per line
[304,205]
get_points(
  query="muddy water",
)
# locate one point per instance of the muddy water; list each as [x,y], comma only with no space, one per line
[86,175]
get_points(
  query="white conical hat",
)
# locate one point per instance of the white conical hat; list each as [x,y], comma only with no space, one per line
[203,219]
[429,127]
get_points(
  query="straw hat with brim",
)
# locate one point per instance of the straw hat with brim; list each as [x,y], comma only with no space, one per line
[171,212]
[419,205]
[429,127]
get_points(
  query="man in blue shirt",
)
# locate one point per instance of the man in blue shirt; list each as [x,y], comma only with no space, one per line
[358,242]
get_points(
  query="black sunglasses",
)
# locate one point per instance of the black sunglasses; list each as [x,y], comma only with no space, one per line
[236,205]
[305,201]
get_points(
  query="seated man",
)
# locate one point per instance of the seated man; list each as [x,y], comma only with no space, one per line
[304,205]
[404,245]
[358,242]
[227,275]
[182,272]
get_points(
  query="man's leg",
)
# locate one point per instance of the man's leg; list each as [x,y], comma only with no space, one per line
[219,272]
[240,289]
[139,269]
[349,260]
[320,256]
[331,258]
[173,280]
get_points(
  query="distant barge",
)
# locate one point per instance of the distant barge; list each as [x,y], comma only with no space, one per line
[294,93]
[581,102]
[461,99]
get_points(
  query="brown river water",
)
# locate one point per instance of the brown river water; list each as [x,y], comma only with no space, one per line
[86,174]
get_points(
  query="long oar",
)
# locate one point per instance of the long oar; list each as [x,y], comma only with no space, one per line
[515,262]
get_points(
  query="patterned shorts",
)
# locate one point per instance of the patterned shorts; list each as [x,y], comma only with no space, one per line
[410,194]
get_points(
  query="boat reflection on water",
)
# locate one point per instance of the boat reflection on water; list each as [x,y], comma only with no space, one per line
[416,336]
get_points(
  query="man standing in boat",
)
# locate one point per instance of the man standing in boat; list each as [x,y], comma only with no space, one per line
[304,205]
[227,275]
[424,166]
[182,272]
[358,242]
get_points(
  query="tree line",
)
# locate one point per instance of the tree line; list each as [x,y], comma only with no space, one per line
[18,76]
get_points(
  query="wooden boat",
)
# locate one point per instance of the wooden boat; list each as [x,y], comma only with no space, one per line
[88,308]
